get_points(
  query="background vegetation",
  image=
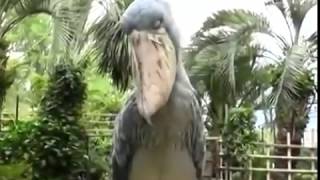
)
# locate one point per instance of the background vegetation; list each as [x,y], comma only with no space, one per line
[71,76]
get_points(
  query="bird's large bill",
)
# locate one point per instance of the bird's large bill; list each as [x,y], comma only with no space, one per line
[154,70]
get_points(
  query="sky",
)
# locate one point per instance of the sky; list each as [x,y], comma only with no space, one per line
[190,14]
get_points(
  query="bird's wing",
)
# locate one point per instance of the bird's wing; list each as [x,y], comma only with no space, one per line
[124,140]
[197,147]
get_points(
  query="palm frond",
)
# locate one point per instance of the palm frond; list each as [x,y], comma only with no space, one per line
[227,70]
[5,6]
[312,44]
[238,23]
[227,45]
[284,9]
[7,78]
[313,39]
[285,85]
[74,20]
[202,40]
[236,19]
[59,10]
[298,10]
[112,45]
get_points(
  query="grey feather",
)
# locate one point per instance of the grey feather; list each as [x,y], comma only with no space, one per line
[148,15]
[132,131]
[124,140]
[198,146]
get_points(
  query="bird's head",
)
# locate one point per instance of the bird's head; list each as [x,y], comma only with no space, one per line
[155,44]
[150,15]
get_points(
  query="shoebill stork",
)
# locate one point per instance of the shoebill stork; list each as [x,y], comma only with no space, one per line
[159,133]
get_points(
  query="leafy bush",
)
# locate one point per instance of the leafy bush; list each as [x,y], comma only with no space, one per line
[38,87]
[59,149]
[100,151]
[238,136]
[103,97]
[55,144]
[14,144]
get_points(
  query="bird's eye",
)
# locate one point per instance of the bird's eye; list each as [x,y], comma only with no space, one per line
[157,24]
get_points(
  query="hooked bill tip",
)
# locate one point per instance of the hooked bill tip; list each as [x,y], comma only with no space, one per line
[148,120]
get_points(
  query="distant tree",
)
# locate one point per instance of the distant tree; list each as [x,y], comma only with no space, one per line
[225,59]
[13,12]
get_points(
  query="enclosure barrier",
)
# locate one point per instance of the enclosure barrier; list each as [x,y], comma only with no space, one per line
[225,172]
[222,171]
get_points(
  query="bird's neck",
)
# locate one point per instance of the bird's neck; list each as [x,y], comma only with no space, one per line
[182,90]
[182,77]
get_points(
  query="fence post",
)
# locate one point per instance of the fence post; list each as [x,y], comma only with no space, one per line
[289,155]
[312,138]
[262,133]
[312,154]
[250,169]
[268,163]
[88,156]
[220,159]
[17,109]
[226,171]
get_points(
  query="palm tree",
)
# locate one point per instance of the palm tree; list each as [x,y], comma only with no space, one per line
[111,47]
[293,83]
[223,65]
[224,36]
[12,12]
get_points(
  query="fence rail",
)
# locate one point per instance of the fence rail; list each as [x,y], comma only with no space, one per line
[226,172]
[223,171]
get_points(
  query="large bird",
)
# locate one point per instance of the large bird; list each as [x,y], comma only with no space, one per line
[159,134]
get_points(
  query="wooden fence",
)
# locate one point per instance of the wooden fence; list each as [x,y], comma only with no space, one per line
[6,119]
[263,171]
[266,171]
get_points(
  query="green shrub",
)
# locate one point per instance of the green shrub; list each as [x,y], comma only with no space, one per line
[238,136]
[54,144]
[14,144]
[59,141]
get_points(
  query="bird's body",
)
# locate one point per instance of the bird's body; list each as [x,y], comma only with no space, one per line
[169,146]
[162,151]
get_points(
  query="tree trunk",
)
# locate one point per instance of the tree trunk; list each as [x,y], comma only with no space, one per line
[291,120]
[215,131]
[214,149]
[4,85]
[3,66]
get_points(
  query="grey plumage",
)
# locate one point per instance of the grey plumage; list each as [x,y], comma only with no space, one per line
[177,129]
[149,15]
[132,131]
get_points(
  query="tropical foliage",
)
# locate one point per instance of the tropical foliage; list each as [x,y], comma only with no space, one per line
[56,94]
[111,47]
[14,12]
[51,51]
[228,63]
[238,135]
[54,145]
